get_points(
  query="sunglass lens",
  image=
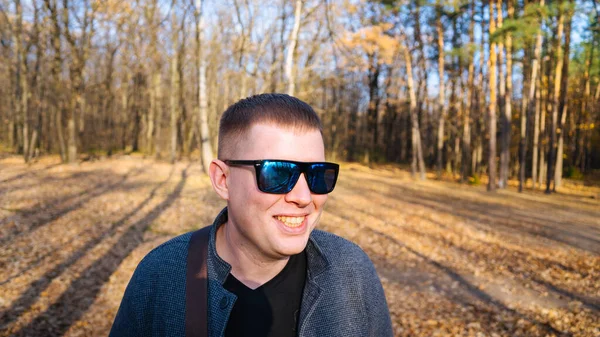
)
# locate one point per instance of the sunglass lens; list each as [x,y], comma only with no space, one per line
[277,177]
[322,178]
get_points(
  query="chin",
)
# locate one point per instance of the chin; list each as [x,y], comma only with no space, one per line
[294,246]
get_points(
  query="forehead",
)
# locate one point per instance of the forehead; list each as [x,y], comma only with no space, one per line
[269,141]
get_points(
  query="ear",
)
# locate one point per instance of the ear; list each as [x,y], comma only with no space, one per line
[218,172]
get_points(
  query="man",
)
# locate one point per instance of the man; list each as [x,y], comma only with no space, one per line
[269,272]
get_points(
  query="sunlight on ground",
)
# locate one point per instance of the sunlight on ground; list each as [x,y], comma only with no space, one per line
[454,259]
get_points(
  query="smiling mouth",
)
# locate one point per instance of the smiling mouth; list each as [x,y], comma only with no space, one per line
[291,221]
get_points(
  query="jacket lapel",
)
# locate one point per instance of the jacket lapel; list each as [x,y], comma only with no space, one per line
[316,264]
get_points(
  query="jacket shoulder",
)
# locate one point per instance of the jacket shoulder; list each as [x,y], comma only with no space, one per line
[340,251]
[167,255]
[163,266]
[156,291]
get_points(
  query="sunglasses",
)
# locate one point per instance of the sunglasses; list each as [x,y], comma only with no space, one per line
[280,176]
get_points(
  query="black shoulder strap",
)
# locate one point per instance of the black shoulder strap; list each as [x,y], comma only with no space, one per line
[196,299]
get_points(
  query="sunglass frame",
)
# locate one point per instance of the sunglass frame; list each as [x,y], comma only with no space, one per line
[304,168]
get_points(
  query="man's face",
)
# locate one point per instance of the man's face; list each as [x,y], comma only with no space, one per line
[267,224]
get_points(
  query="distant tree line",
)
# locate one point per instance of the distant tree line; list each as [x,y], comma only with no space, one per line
[502,88]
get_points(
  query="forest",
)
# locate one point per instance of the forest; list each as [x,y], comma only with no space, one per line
[501,89]
[109,114]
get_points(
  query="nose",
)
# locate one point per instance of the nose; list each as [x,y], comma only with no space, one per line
[300,194]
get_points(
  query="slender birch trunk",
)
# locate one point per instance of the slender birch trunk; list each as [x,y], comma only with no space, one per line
[492,103]
[442,108]
[533,102]
[289,60]
[154,78]
[56,70]
[536,135]
[541,143]
[21,80]
[564,103]
[555,99]
[173,94]
[507,119]
[417,151]
[466,152]
[205,145]
[502,174]
[478,151]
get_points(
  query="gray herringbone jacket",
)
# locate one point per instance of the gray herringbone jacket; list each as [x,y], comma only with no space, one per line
[342,295]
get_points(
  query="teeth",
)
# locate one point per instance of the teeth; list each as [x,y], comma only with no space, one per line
[291,221]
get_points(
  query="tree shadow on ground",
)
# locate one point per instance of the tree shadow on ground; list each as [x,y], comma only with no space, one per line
[492,216]
[75,177]
[82,292]
[514,254]
[30,296]
[471,289]
[51,210]
[28,172]
[536,197]
[590,303]
[393,202]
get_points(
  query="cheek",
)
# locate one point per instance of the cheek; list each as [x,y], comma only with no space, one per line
[319,200]
[240,187]
[257,201]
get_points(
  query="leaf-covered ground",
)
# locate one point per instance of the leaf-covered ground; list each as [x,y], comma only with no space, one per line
[454,260]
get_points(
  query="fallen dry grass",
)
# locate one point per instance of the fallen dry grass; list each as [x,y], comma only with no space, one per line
[454,260]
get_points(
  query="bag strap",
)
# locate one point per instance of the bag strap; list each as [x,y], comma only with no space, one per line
[196,299]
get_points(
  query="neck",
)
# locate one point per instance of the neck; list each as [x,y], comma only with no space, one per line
[248,265]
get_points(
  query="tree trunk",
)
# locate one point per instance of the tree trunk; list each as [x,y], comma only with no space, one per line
[555,99]
[492,103]
[525,117]
[182,116]
[152,112]
[442,108]
[532,108]
[417,151]
[373,108]
[559,152]
[478,151]
[289,59]
[60,134]
[508,98]
[466,152]
[31,151]
[504,155]
[155,78]
[79,48]
[56,70]
[507,132]
[174,88]
[205,145]
[536,133]
[37,87]
[71,142]
[21,80]
[586,115]
[542,145]
[564,102]
[422,88]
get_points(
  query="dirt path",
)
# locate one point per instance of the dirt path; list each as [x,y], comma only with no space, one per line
[454,259]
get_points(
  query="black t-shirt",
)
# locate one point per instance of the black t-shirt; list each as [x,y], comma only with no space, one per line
[271,309]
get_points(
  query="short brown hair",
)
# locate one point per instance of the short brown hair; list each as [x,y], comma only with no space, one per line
[275,109]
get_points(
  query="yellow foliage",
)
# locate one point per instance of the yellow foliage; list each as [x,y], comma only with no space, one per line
[353,7]
[373,40]
[113,8]
[584,126]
